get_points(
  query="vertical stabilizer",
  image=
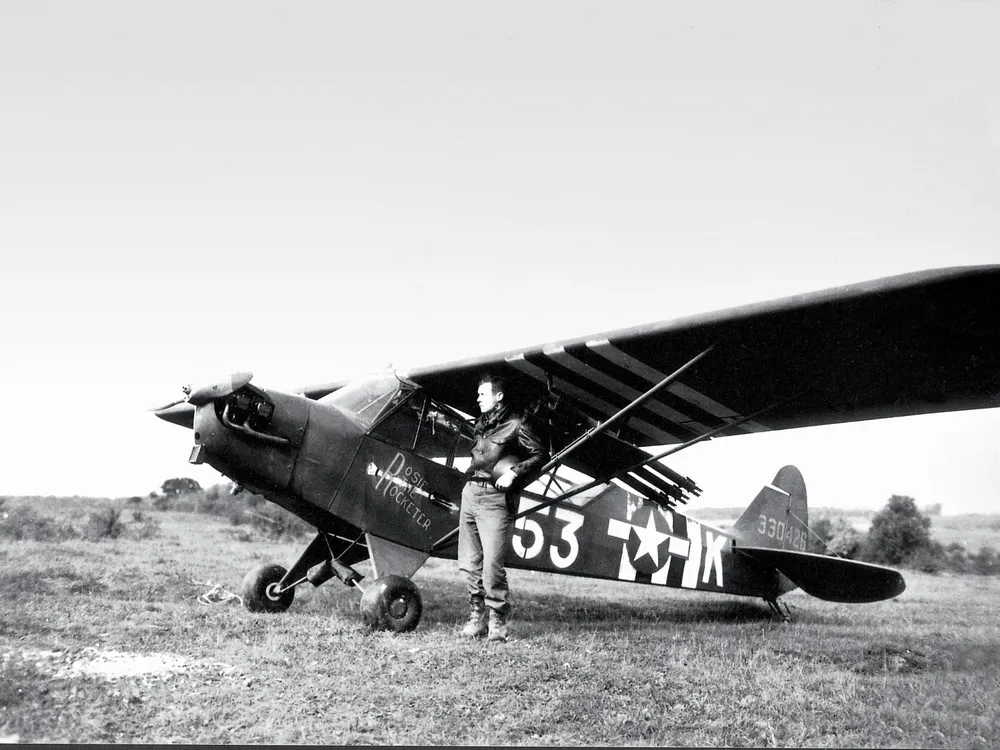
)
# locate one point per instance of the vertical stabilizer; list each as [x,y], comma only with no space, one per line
[778,517]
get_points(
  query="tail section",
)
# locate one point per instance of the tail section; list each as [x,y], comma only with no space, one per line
[774,531]
[778,518]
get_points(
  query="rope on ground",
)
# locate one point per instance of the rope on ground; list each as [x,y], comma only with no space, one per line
[216,594]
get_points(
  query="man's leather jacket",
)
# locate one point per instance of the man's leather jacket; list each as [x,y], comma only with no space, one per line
[501,433]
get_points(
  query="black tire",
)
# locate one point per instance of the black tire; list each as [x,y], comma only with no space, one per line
[392,603]
[258,589]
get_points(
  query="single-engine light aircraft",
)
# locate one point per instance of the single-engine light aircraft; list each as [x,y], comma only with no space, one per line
[376,464]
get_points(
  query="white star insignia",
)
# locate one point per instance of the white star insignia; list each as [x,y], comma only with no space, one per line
[650,539]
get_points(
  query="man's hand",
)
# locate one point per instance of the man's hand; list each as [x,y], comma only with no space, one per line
[505,479]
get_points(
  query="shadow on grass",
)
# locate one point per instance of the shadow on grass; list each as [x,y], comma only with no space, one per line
[446,604]
[22,583]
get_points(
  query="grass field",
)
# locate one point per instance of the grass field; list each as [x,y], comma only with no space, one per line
[106,641]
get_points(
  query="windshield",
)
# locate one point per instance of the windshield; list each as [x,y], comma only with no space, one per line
[368,397]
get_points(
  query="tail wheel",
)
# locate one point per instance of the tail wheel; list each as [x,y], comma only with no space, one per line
[392,603]
[260,589]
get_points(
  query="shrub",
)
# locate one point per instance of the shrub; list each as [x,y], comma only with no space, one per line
[930,558]
[161,502]
[24,523]
[898,532]
[179,486]
[986,561]
[146,528]
[241,535]
[835,536]
[277,523]
[271,521]
[956,558]
[104,524]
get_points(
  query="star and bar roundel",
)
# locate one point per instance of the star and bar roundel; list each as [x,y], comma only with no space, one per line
[666,548]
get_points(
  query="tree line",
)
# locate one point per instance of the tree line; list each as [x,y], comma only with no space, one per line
[900,536]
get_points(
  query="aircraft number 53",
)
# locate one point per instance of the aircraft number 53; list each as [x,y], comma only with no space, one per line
[529,540]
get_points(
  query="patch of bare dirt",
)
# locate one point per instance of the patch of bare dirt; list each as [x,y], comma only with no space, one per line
[113,665]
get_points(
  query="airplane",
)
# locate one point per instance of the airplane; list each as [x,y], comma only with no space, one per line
[376,464]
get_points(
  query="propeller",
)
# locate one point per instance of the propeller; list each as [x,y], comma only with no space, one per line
[198,397]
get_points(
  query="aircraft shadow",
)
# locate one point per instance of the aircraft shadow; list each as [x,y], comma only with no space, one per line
[442,604]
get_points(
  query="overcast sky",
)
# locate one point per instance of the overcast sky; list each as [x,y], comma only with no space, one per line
[310,190]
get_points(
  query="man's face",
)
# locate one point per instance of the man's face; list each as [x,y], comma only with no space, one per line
[486,398]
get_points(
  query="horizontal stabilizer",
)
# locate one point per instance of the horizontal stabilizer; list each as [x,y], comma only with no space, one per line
[831,578]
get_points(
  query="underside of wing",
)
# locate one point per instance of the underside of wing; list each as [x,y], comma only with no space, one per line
[917,343]
[831,578]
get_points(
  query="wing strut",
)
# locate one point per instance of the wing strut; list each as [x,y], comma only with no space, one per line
[593,432]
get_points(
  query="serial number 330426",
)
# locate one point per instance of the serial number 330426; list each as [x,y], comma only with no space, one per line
[772,528]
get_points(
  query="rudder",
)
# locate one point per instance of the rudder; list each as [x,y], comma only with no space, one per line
[778,518]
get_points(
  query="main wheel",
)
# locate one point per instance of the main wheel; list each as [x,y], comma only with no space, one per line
[392,603]
[260,586]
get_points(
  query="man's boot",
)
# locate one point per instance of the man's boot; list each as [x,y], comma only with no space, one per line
[498,625]
[476,626]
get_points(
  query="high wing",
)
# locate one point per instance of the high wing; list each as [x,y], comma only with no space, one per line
[912,344]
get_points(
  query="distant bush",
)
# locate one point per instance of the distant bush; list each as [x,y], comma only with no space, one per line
[143,526]
[24,523]
[179,486]
[956,558]
[104,524]
[899,532]
[277,523]
[929,558]
[247,508]
[835,536]
[985,562]
[161,502]
[900,536]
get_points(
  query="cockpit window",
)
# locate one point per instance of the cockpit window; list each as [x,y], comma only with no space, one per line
[444,436]
[428,429]
[367,399]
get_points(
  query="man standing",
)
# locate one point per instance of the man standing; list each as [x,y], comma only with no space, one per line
[486,519]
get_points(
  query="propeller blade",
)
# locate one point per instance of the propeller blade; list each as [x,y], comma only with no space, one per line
[180,414]
[167,406]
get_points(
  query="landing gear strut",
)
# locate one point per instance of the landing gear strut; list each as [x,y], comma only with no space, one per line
[390,602]
[776,610]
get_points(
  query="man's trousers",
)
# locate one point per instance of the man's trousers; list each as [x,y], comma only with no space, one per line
[485,524]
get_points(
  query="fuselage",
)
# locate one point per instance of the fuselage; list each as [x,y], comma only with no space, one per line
[381,457]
